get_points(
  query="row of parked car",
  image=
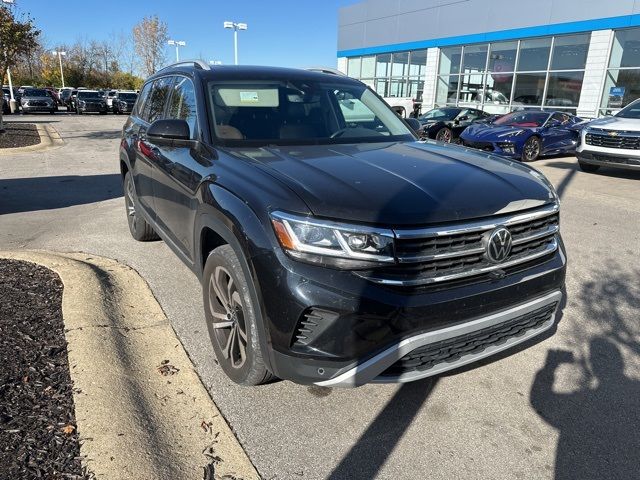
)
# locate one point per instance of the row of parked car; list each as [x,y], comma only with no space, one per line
[78,100]
[526,135]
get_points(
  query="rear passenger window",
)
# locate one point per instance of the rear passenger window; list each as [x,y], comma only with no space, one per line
[138,110]
[183,104]
[158,99]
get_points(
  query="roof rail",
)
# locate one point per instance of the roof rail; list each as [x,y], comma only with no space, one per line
[200,64]
[332,71]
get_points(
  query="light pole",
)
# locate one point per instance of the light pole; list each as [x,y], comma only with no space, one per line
[235,26]
[60,54]
[13,105]
[178,44]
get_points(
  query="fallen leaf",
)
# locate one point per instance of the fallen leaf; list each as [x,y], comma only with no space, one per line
[68,429]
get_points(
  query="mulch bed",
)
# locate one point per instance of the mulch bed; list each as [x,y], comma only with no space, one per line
[19,135]
[38,437]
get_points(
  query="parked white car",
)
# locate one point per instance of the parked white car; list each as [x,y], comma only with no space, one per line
[612,141]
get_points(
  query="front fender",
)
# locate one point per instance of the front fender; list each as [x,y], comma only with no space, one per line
[240,227]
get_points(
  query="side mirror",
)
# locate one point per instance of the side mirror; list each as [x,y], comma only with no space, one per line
[413,123]
[169,132]
[463,118]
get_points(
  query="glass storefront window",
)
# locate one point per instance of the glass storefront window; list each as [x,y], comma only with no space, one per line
[396,88]
[564,89]
[381,86]
[498,88]
[447,90]
[418,63]
[353,67]
[369,82]
[570,52]
[450,60]
[529,89]
[475,58]
[368,68]
[621,87]
[400,66]
[625,51]
[471,88]
[502,57]
[415,88]
[383,65]
[534,54]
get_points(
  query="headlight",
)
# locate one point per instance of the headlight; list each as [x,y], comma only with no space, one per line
[346,245]
[82,102]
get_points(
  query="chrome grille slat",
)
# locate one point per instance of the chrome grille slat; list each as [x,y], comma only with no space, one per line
[456,252]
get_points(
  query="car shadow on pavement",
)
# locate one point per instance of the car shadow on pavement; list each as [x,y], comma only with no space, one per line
[599,422]
[367,456]
[604,171]
[95,134]
[47,193]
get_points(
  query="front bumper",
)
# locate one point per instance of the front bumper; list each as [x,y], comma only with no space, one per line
[606,158]
[354,330]
[38,108]
[92,109]
[504,149]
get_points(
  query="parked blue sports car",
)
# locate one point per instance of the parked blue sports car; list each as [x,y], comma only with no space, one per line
[526,135]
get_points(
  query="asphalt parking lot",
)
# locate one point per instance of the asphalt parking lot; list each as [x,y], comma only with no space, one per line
[569,407]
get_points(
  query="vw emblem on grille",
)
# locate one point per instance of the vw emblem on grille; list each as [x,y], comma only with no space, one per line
[613,134]
[497,245]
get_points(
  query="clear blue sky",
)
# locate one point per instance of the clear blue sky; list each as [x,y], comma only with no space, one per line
[294,33]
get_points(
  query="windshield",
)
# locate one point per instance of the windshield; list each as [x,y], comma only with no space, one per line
[35,92]
[523,119]
[282,112]
[127,96]
[630,111]
[84,94]
[440,114]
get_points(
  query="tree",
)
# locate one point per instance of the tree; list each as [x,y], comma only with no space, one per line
[150,37]
[17,38]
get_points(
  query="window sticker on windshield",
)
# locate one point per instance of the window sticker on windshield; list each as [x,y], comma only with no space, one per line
[249,97]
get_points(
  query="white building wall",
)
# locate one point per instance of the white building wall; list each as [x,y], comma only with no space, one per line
[342,64]
[431,76]
[595,71]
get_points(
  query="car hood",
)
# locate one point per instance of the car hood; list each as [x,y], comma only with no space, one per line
[401,183]
[493,133]
[616,123]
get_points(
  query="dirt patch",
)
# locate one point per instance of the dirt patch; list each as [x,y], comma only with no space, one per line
[19,135]
[38,436]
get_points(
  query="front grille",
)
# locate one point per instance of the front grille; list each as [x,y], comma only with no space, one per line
[452,349]
[613,139]
[486,146]
[442,254]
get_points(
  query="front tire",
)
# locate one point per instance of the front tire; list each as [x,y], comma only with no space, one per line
[231,320]
[587,167]
[138,226]
[531,149]
[444,135]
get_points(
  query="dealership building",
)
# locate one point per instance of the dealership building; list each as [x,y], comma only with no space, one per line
[582,56]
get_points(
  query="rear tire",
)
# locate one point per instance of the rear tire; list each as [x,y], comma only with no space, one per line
[231,320]
[138,226]
[531,149]
[587,167]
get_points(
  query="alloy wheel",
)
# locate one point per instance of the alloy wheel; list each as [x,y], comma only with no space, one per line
[225,305]
[444,135]
[131,205]
[531,149]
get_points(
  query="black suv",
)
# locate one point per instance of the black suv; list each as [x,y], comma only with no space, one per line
[333,248]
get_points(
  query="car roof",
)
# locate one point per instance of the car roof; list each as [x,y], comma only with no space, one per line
[253,72]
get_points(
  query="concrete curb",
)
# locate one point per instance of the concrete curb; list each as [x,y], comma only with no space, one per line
[49,138]
[141,409]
